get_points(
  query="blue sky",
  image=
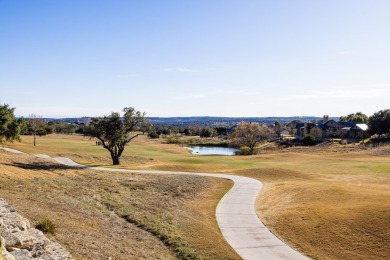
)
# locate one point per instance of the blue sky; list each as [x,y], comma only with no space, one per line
[187,58]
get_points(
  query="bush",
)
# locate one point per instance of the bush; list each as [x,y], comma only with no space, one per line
[380,122]
[221,130]
[245,150]
[172,140]
[46,226]
[49,130]
[191,141]
[207,132]
[80,130]
[309,140]
[154,135]
[166,131]
[187,132]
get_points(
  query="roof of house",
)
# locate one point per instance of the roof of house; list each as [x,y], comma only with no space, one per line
[301,125]
[347,124]
[323,125]
[363,127]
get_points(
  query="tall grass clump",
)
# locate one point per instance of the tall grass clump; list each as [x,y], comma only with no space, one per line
[46,226]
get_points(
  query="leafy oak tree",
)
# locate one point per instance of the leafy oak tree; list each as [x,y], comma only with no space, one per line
[358,117]
[250,134]
[380,122]
[115,132]
[9,126]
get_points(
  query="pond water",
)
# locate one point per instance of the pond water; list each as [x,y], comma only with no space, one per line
[211,150]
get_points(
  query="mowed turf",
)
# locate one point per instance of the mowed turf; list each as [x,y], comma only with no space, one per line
[328,203]
[119,215]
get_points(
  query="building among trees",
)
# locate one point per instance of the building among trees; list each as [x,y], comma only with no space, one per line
[329,128]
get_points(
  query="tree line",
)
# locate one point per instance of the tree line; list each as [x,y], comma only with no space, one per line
[115,131]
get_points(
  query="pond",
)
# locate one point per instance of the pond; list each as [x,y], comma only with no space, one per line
[211,150]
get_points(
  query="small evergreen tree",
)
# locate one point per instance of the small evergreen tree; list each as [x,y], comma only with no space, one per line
[9,126]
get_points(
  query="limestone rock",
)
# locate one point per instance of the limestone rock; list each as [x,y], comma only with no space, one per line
[18,241]
[21,254]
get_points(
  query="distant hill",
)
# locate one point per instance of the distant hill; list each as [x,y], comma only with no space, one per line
[205,120]
[210,120]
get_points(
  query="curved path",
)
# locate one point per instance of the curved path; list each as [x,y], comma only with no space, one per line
[235,213]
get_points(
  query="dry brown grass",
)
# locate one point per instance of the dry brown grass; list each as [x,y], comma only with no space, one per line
[327,216]
[329,202]
[123,216]
[201,229]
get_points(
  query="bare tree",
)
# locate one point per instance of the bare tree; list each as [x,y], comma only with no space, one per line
[195,129]
[250,134]
[36,125]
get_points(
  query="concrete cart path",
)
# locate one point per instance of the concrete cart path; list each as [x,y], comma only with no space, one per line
[235,214]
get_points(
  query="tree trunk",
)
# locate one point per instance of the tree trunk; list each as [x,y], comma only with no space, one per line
[34,139]
[115,159]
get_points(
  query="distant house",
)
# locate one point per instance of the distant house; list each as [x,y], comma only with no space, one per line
[302,129]
[330,129]
[284,132]
[359,131]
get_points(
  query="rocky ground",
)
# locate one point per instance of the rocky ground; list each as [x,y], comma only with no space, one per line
[21,241]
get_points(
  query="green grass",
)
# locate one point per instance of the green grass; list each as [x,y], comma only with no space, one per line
[46,226]
[152,154]
[164,154]
[314,198]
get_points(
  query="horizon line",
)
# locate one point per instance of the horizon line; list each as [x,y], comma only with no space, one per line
[64,117]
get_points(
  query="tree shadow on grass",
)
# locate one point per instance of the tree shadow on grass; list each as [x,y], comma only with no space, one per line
[44,166]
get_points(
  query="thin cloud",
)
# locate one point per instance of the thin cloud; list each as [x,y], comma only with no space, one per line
[378,91]
[243,92]
[197,95]
[15,91]
[189,70]
[299,97]
[374,92]
[345,53]
[124,76]
[181,70]
[190,96]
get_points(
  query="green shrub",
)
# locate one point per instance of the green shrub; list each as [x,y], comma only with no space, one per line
[166,131]
[207,132]
[154,135]
[191,141]
[187,132]
[172,140]
[309,140]
[46,226]
[245,150]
